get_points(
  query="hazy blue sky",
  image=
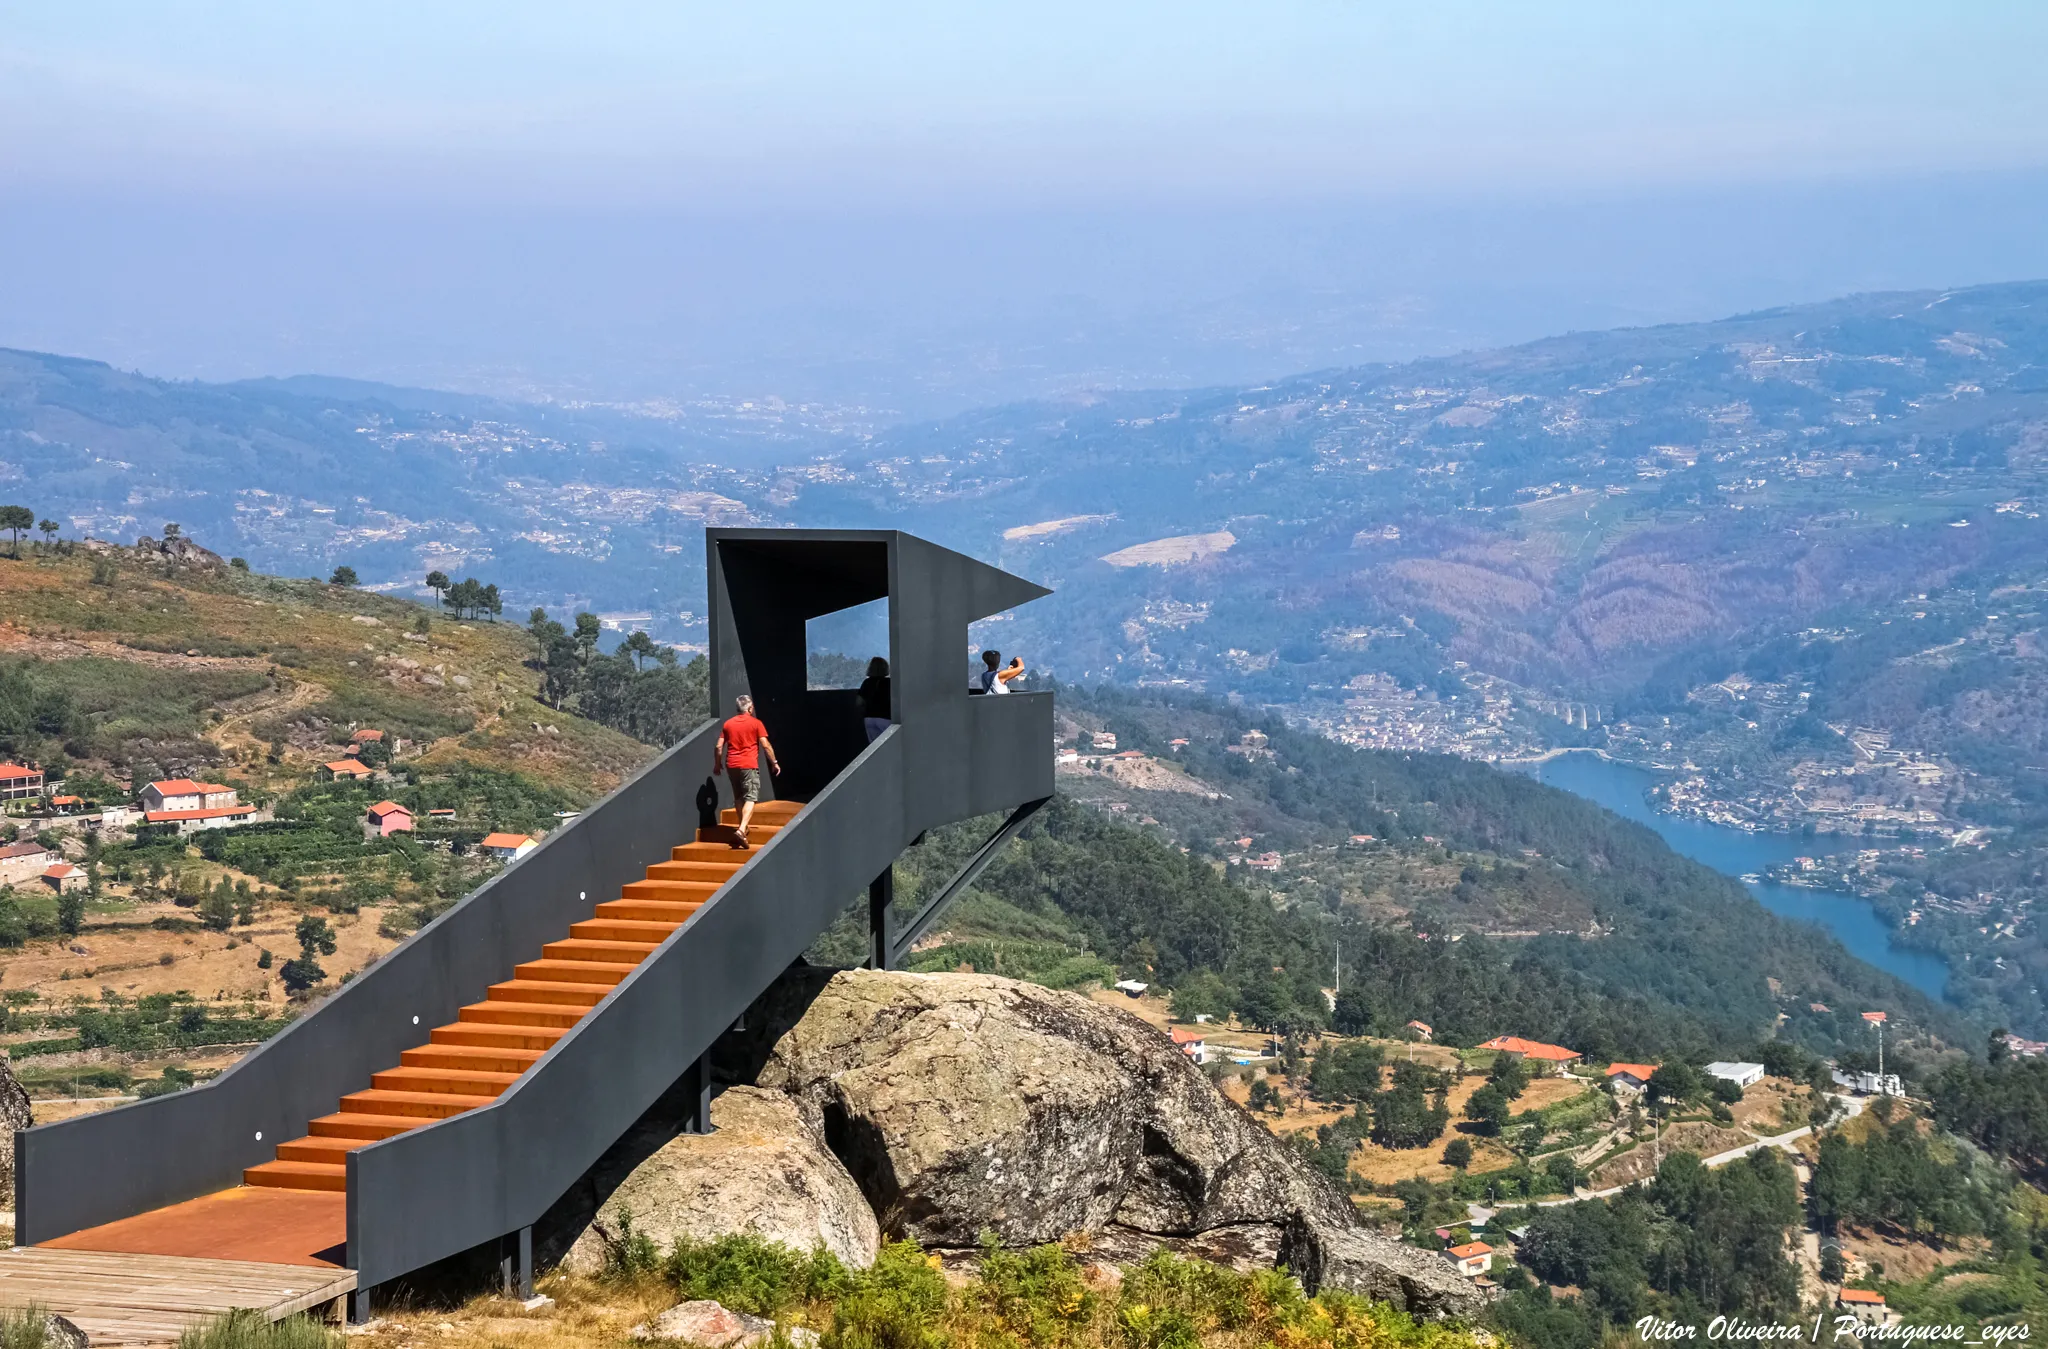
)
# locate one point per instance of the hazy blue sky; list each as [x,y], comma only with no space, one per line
[928,205]
[722,104]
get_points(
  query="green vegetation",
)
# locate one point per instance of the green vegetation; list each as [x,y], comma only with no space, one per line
[1036,1298]
[2001,1106]
[247,1329]
[1692,1244]
[641,689]
[1897,1175]
[96,707]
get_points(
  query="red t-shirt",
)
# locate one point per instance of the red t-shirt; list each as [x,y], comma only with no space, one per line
[743,736]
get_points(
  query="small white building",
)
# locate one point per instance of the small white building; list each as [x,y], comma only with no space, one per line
[1192,1043]
[1864,1305]
[1869,1084]
[1472,1259]
[1741,1074]
[1131,988]
[507,847]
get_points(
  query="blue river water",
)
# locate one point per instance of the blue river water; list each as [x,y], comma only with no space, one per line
[1737,852]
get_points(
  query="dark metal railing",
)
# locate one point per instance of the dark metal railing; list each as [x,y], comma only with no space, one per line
[84,1172]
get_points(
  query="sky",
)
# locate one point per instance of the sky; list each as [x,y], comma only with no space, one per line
[921,206]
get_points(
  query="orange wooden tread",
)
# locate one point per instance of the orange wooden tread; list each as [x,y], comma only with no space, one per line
[469,1063]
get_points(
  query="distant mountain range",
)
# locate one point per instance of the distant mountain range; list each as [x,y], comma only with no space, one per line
[1566,513]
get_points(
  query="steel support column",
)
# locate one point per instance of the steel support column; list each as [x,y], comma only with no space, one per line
[881,947]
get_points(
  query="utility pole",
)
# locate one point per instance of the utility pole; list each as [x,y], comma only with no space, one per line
[1339,989]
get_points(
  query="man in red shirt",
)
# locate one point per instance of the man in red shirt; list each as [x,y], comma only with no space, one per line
[741,741]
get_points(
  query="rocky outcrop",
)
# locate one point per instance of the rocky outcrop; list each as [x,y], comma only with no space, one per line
[178,552]
[14,1114]
[941,1107]
[715,1326]
[764,1170]
[964,1104]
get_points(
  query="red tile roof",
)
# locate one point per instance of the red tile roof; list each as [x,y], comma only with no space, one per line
[505,840]
[1863,1295]
[21,850]
[1468,1250]
[1183,1036]
[60,870]
[383,808]
[65,800]
[15,770]
[353,767]
[1642,1070]
[178,787]
[1531,1049]
[366,735]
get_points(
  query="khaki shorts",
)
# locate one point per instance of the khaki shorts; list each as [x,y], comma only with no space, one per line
[746,784]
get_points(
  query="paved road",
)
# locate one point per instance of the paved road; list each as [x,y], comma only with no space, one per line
[1852,1106]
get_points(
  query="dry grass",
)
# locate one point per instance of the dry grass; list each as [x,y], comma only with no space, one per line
[309,636]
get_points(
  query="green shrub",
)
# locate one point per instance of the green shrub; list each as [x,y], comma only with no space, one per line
[629,1256]
[751,1275]
[247,1329]
[25,1327]
[899,1303]
[1037,1296]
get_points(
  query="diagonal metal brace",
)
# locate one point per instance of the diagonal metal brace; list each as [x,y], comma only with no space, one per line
[907,936]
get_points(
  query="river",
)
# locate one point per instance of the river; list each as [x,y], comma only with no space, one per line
[1737,852]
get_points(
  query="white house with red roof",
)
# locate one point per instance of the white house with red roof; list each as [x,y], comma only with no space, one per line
[1630,1077]
[1864,1305]
[193,806]
[507,847]
[18,782]
[348,770]
[1190,1042]
[1472,1259]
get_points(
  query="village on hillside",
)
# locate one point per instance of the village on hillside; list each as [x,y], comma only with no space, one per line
[1462,1146]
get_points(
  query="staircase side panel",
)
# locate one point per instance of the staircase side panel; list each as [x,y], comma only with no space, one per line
[99,1168]
[432,1192]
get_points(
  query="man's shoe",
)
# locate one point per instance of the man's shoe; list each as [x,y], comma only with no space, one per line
[739,839]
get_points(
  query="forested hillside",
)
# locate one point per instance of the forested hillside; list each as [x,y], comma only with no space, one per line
[1671,958]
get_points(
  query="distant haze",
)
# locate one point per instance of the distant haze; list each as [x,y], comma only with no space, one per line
[916,209]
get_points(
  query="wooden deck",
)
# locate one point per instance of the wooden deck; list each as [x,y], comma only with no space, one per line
[123,1298]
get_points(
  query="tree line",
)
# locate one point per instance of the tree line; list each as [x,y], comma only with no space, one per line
[642,688]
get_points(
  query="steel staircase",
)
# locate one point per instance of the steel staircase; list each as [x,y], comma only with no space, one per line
[472,1061]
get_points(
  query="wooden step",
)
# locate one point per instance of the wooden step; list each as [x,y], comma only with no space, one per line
[563,971]
[553,994]
[298,1176]
[602,952]
[497,1035]
[759,832]
[704,873]
[444,1081]
[649,910]
[644,931]
[675,892]
[367,1128]
[425,1105]
[769,812]
[321,1148]
[709,852]
[470,1058]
